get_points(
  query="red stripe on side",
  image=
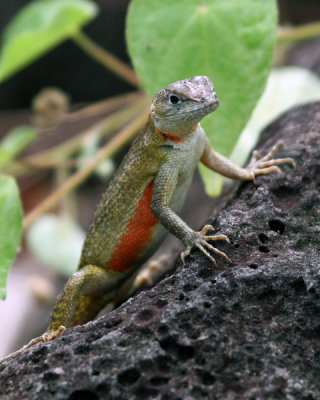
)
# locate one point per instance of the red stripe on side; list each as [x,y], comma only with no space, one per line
[137,234]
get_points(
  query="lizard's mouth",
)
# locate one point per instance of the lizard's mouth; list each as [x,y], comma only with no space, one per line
[212,101]
[215,101]
[212,105]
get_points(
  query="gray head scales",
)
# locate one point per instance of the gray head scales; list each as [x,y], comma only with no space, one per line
[178,108]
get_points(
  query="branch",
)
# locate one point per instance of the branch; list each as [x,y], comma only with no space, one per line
[50,158]
[302,32]
[104,127]
[103,106]
[105,58]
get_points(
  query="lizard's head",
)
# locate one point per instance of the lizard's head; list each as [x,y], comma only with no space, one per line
[177,109]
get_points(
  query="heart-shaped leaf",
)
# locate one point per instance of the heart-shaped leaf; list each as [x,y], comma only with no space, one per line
[231,41]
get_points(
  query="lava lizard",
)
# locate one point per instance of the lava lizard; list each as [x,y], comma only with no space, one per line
[143,200]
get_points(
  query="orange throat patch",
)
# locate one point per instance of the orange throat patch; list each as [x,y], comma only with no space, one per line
[167,136]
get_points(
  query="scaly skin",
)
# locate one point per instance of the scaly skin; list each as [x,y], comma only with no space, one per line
[143,200]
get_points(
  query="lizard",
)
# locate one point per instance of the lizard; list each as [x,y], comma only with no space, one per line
[143,200]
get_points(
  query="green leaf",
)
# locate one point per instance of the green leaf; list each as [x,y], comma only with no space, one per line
[10,227]
[38,27]
[231,41]
[15,142]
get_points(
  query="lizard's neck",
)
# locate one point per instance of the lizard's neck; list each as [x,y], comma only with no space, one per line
[176,135]
[172,127]
[167,136]
[178,142]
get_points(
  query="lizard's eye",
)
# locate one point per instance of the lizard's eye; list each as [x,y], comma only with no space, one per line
[174,99]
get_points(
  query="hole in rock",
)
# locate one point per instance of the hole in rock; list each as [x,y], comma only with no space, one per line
[145,314]
[276,226]
[264,249]
[129,376]
[83,395]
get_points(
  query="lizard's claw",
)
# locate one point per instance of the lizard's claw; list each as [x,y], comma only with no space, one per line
[262,165]
[200,241]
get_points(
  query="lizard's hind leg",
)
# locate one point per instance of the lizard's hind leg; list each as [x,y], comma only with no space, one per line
[85,293]
[88,307]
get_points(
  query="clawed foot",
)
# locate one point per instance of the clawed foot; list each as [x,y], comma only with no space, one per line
[151,272]
[200,240]
[262,165]
[46,337]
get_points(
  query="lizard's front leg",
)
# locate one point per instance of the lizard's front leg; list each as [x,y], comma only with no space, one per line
[258,165]
[164,187]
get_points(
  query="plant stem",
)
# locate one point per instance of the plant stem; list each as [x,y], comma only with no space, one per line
[105,58]
[102,106]
[102,128]
[302,32]
[57,156]
[111,147]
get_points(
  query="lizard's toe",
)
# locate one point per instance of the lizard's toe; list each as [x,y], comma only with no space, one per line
[206,228]
[185,254]
[218,237]
[215,250]
[201,245]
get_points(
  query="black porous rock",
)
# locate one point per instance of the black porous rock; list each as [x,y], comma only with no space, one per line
[246,330]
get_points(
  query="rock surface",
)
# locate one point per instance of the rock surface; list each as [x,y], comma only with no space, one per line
[247,330]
